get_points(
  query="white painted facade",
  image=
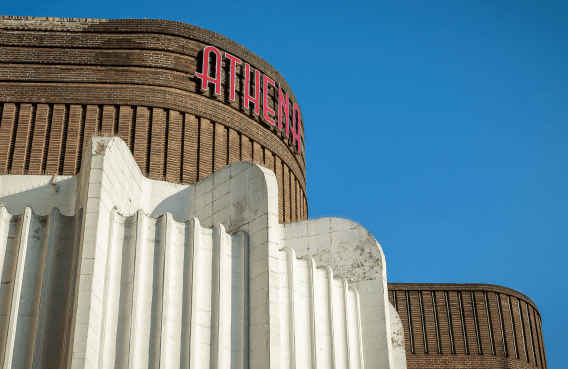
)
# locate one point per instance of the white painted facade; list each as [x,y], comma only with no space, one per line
[136,273]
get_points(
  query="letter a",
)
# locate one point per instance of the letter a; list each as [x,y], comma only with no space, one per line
[205,78]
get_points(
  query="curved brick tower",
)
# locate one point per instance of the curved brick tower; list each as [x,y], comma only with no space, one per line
[468,326]
[65,80]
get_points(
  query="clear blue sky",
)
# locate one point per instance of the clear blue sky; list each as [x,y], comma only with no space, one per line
[442,127]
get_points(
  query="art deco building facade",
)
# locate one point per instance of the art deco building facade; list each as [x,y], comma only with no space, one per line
[154,214]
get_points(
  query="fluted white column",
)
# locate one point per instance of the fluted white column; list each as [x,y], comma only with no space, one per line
[312,308]
[291,258]
[17,291]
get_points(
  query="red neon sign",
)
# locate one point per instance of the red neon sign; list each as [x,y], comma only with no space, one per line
[205,78]
[269,115]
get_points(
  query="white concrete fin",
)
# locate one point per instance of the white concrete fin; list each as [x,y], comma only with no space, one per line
[152,266]
[291,259]
[323,316]
[397,334]
[311,270]
[35,251]
[209,279]
[325,298]
[354,254]
[152,314]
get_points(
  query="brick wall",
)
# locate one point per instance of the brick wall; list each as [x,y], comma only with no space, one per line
[64,80]
[167,145]
[468,326]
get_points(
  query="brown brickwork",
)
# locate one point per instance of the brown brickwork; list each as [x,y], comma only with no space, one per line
[234,146]
[190,149]
[23,133]
[7,129]
[158,144]
[71,153]
[91,124]
[471,326]
[286,194]
[141,138]
[257,153]
[108,120]
[293,210]
[56,137]
[246,148]
[220,155]
[173,147]
[39,141]
[125,125]
[268,159]
[65,80]
[205,148]
[280,182]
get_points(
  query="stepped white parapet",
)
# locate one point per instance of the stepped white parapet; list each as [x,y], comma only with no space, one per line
[138,273]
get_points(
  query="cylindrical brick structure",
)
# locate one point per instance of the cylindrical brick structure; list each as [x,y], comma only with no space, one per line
[468,326]
[64,80]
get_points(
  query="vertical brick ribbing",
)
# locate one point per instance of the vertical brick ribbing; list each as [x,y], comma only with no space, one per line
[108,120]
[298,202]
[419,344]
[521,344]
[205,148]
[469,323]
[257,153]
[459,344]
[268,159]
[482,323]
[220,156]
[91,124]
[55,139]
[190,149]
[293,209]
[304,216]
[158,144]
[246,149]
[540,342]
[125,124]
[528,333]
[498,338]
[299,196]
[234,146]
[140,143]
[286,191]
[7,129]
[443,329]
[536,341]
[173,165]
[477,305]
[23,130]
[509,339]
[72,140]
[39,139]
[430,322]
[279,181]
[297,199]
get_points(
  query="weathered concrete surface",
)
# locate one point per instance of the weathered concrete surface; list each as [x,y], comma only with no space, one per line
[144,274]
[351,251]
[397,339]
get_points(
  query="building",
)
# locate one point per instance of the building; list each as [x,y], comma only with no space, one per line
[154,214]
